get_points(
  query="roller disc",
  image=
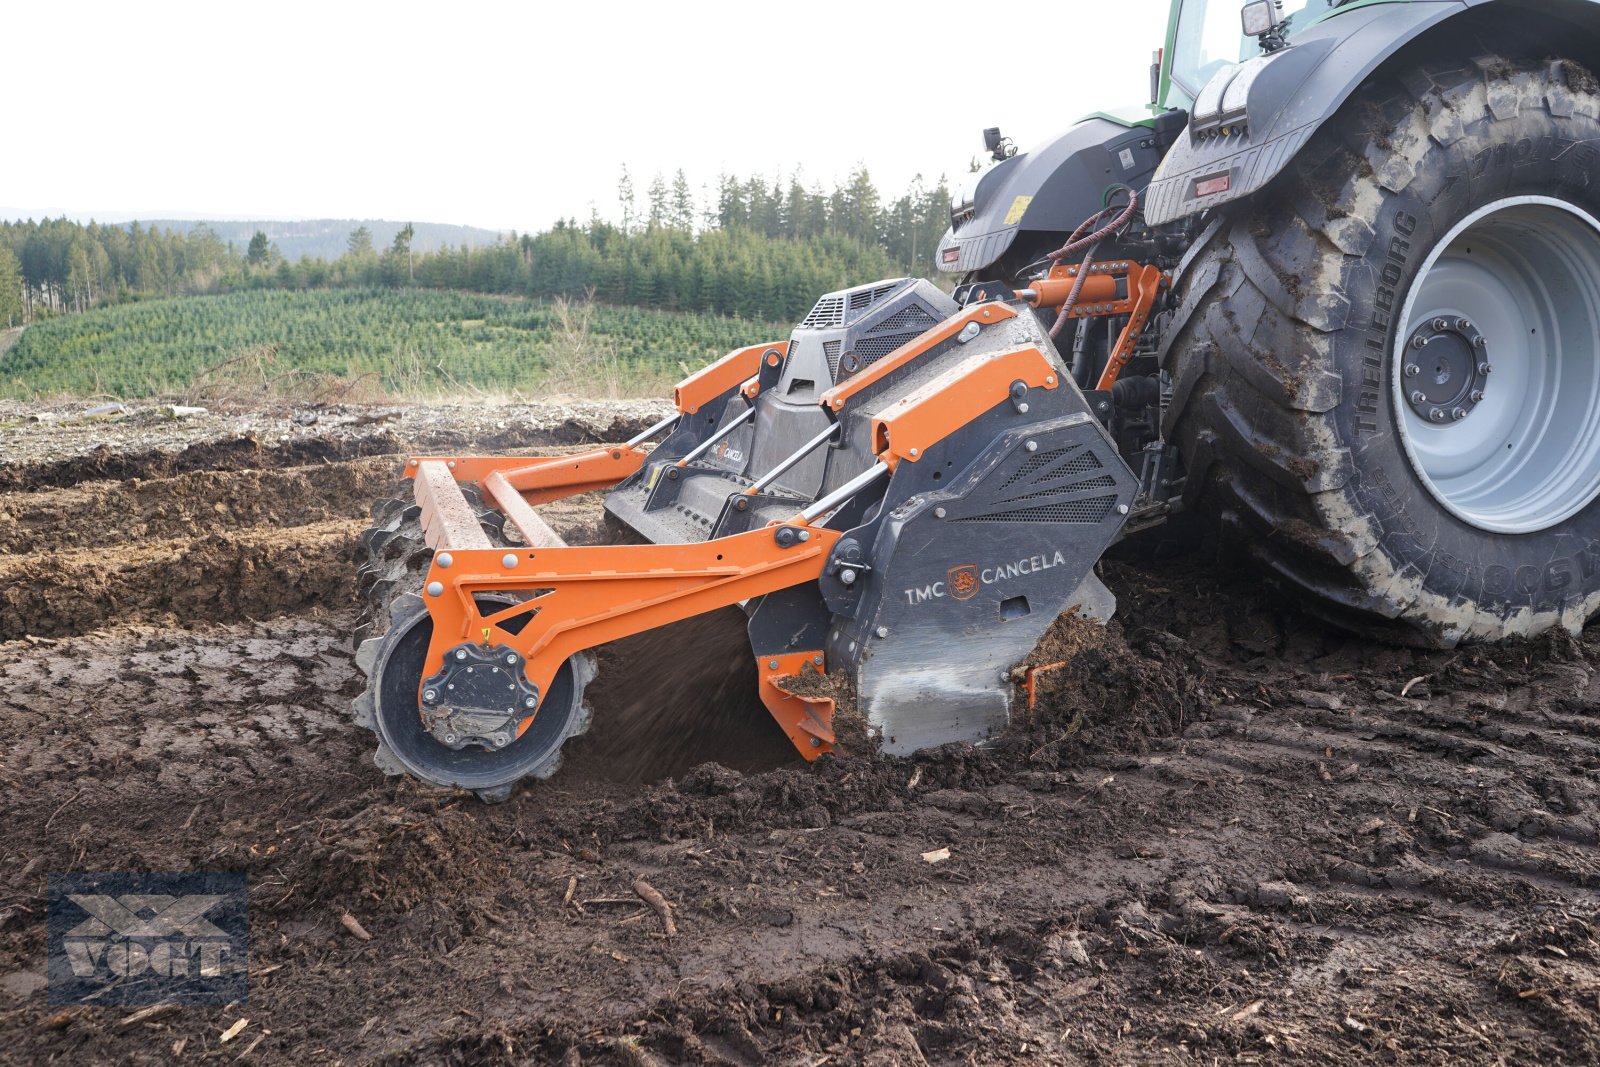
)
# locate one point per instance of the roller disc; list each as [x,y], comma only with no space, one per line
[405,745]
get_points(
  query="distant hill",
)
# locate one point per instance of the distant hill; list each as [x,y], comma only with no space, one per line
[325,238]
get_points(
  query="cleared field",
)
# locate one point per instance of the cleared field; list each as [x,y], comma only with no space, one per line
[1230,834]
[412,341]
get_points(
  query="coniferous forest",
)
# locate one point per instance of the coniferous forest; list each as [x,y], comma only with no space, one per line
[753,247]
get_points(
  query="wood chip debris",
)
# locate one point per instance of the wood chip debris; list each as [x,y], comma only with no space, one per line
[652,896]
[359,932]
[938,855]
[234,1031]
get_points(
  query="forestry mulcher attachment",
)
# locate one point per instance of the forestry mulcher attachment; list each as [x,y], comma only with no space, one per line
[1337,287]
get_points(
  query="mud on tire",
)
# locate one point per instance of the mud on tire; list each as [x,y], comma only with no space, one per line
[1284,355]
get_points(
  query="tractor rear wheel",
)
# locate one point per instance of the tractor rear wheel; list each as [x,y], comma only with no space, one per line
[1387,366]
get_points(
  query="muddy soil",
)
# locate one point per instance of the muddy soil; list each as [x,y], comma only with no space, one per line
[1225,834]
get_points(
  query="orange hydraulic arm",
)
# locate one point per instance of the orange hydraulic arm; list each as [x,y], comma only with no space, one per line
[1097,297]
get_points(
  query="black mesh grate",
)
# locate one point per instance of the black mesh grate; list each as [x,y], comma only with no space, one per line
[1073,511]
[909,318]
[830,349]
[871,349]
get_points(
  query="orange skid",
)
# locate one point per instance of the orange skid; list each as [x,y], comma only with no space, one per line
[807,720]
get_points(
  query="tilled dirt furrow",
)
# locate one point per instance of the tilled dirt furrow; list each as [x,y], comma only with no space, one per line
[119,514]
[217,577]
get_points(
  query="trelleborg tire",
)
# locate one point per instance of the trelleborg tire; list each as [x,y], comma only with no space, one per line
[1387,365]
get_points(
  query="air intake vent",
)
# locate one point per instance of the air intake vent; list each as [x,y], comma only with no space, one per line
[1060,485]
[830,349]
[828,313]
[911,318]
[1082,512]
[869,350]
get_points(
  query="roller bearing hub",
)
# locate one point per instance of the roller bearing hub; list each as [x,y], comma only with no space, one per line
[1446,369]
[479,698]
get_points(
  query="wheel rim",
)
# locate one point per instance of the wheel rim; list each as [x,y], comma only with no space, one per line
[1497,366]
[399,724]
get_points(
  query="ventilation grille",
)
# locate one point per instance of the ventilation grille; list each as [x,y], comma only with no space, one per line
[1061,485]
[869,350]
[861,299]
[910,318]
[1081,512]
[830,349]
[828,312]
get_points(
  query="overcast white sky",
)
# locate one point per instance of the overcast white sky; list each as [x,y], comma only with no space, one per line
[513,115]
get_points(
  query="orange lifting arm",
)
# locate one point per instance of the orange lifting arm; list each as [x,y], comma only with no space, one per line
[543,479]
[1144,285]
[732,371]
[836,398]
[956,397]
[587,596]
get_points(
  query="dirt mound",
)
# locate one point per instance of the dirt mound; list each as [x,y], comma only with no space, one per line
[246,452]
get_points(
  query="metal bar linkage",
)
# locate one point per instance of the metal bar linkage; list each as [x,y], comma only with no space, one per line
[634,442]
[783,465]
[845,491]
[705,446]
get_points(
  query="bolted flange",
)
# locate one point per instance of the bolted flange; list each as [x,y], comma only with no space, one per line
[1445,371]
[479,698]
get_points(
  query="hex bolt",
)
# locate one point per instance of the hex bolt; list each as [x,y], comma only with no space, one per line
[816,661]
[1485,368]
[1419,342]
[915,452]
[449,739]
[1032,446]
[1482,341]
[1458,414]
[530,702]
[452,464]
[938,513]
[1463,325]
[435,588]
[883,631]
[816,742]
[444,559]
[1477,396]
[1436,414]
[1419,397]
[430,696]
[968,332]
[1022,408]
[511,657]
[805,535]
[502,740]
[772,664]
[1412,370]
[461,653]
[1122,509]
[848,576]
[508,560]
[1440,324]
[1050,379]
[414,462]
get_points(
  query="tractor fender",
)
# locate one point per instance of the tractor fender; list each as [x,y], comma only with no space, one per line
[1232,152]
[1051,188]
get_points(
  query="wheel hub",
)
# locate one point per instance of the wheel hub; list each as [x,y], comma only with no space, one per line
[479,697]
[1446,369]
